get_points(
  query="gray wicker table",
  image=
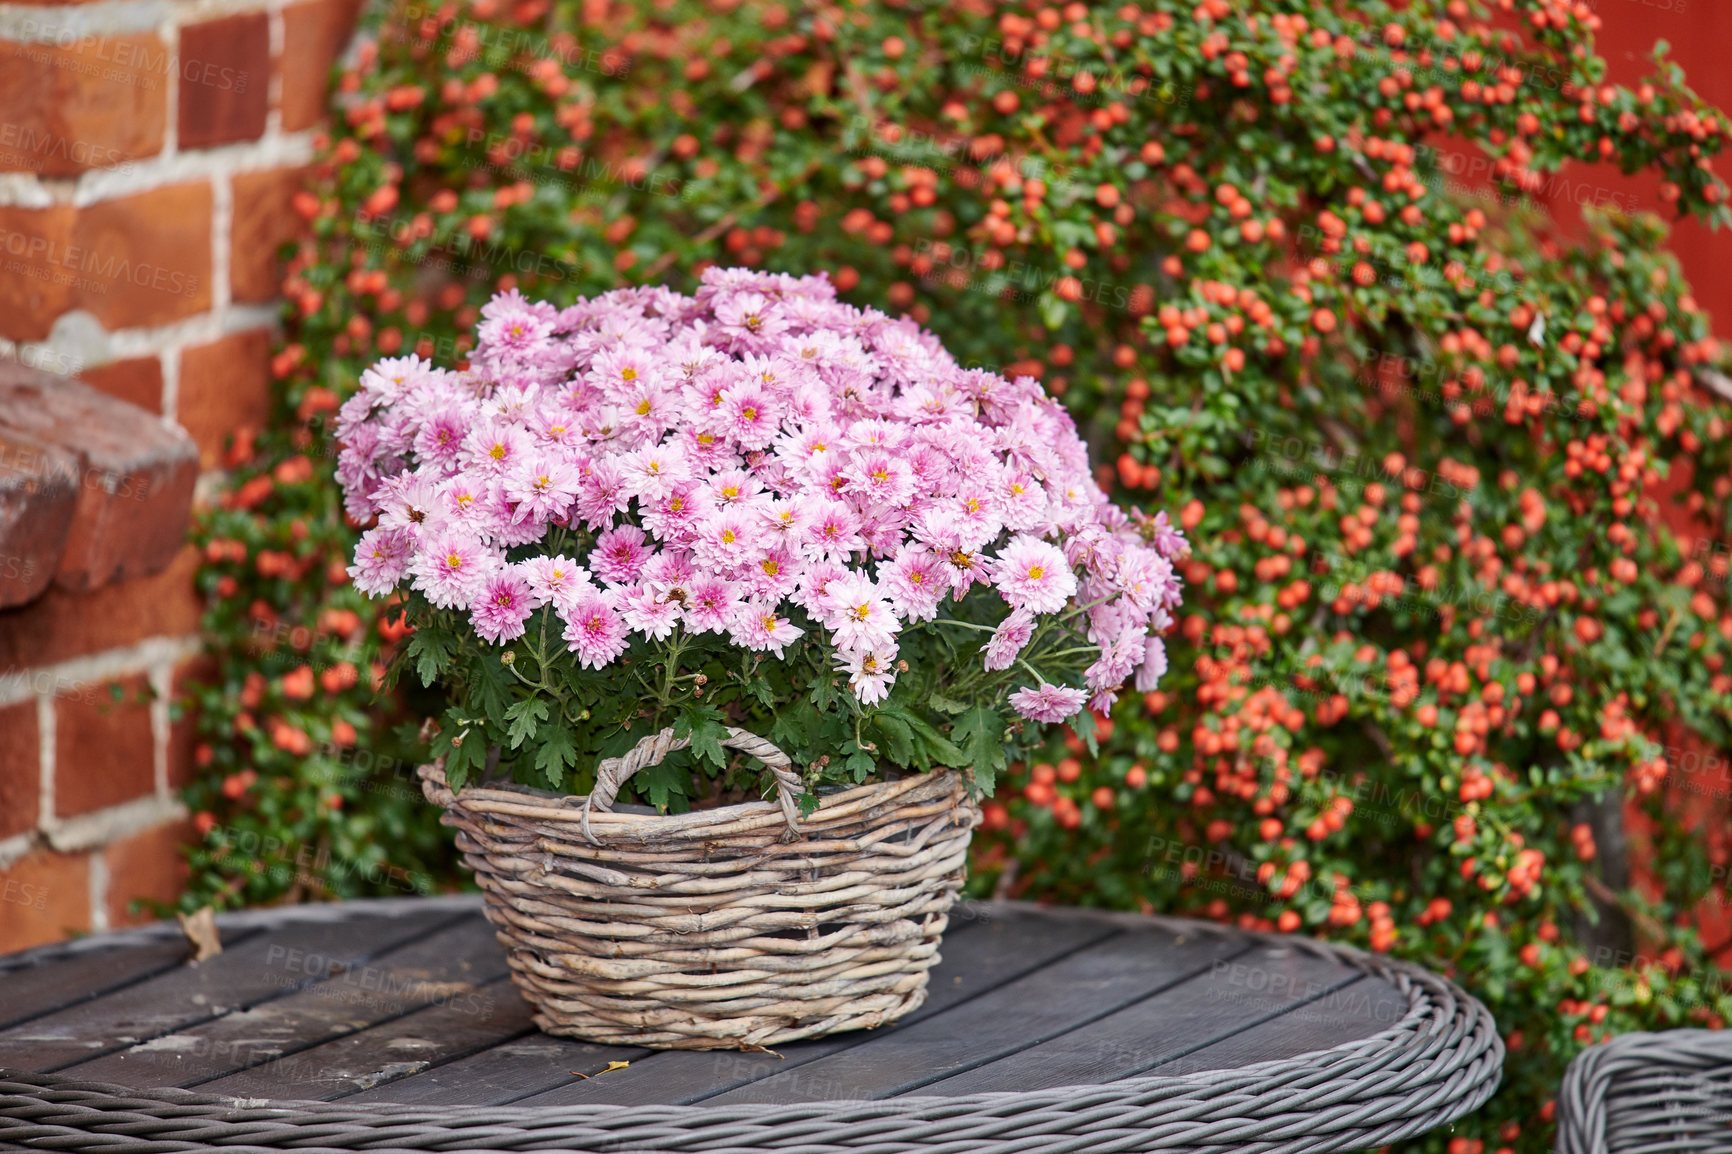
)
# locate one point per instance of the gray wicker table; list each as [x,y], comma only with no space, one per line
[392,1025]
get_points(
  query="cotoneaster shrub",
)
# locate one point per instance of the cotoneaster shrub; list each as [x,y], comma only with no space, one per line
[1451,631]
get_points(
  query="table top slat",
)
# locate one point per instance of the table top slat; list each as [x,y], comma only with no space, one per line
[1230,997]
[447,964]
[238,977]
[50,984]
[1348,1014]
[517,1068]
[1071,992]
[983,953]
[402,1047]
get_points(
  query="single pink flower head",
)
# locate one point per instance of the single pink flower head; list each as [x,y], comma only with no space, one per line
[620,554]
[1033,574]
[1049,703]
[505,603]
[555,580]
[451,570]
[871,672]
[594,631]
[1008,640]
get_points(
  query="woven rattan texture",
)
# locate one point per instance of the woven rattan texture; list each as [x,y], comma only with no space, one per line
[723,927]
[1648,1093]
[1440,1061]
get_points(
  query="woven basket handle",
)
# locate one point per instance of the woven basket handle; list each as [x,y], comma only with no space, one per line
[614,772]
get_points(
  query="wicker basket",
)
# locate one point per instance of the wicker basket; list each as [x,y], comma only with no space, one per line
[716,929]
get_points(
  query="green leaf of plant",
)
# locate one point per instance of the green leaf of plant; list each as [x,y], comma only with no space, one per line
[898,737]
[980,733]
[557,752]
[524,717]
[430,649]
[702,724]
[860,764]
[945,704]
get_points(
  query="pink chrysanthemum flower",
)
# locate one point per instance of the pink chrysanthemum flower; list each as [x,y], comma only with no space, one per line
[759,627]
[880,476]
[653,471]
[1049,703]
[601,494]
[594,631]
[648,612]
[493,446]
[750,415]
[773,574]
[857,615]
[620,555]
[750,320]
[542,487]
[727,541]
[674,518]
[711,605]
[381,560]
[733,487]
[451,569]
[1008,640]
[871,672]
[916,582]
[440,439]
[556,579]
[1170,541]
[1034,575]
[1154,664]
[504,604]
[835,532]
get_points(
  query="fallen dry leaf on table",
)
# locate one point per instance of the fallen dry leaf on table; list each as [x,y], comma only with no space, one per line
[201,931]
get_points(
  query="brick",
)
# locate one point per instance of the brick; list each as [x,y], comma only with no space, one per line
[103,750]
[37,270]
[44,897]
[225,80]
[99,102]
[135,479]
[314,35]
[183,729]
[263,220]
[137,382]
[38,501]
[224,386]
[20,768]
[144,259]
[145,866]
[61,625]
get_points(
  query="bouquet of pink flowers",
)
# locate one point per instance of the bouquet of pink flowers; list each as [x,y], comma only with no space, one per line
[761,507]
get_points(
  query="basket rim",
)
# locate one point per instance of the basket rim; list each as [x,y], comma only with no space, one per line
[510,799]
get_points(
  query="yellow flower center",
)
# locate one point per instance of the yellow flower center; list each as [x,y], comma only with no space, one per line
[749,414]
[1035,572]
[643,407]
[497,452]
[727,536]
[861,612]
[771,567]
[453,561]
[628,374]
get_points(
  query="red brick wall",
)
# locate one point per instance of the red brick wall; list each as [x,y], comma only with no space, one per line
[147,154]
